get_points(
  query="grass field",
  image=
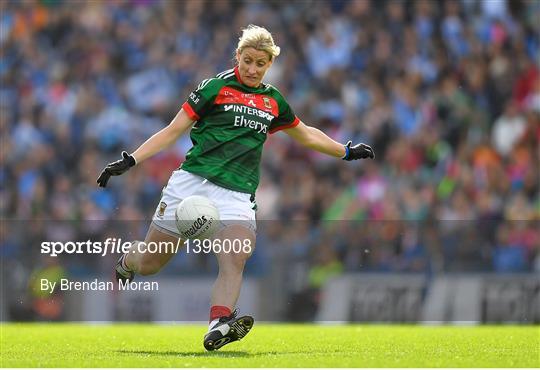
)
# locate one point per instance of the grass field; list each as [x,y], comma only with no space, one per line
[79,345]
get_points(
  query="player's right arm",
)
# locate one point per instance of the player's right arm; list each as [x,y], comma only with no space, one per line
[196,106]
[156,143]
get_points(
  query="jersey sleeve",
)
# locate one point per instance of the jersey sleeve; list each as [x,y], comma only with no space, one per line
[201,100]
[286,118]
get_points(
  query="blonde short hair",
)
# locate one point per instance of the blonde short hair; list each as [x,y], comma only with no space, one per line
[258,38]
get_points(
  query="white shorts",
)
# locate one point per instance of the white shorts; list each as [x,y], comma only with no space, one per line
[234,207]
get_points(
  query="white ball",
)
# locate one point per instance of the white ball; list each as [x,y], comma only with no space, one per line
[197,217]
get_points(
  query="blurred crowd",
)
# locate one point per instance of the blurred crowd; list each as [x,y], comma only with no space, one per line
[447,93]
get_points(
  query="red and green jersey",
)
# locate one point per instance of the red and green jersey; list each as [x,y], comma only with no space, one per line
[232,122]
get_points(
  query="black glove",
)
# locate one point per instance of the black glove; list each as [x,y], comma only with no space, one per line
[359,151]
[116,168]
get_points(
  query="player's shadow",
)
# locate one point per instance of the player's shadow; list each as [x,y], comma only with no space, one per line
[187,354]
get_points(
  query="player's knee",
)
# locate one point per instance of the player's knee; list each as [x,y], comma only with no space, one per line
[234,264]
[239,263]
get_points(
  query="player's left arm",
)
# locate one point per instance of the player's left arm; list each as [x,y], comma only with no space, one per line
[315,139]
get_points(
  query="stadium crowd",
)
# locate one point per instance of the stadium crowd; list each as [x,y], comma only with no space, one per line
[447,93]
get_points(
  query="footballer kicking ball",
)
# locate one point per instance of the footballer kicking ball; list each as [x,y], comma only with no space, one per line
[197,217]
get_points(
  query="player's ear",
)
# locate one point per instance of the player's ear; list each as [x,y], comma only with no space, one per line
[237,56]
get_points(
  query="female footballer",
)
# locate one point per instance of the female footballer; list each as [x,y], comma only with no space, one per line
[230,117]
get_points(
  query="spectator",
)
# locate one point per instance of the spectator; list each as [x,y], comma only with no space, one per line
[448,93]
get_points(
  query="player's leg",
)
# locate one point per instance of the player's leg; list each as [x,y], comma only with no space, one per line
[224,326]
[150,263]
[139,260]
[162,230]
[227,286]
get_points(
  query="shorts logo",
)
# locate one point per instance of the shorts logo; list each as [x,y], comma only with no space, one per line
[162,206]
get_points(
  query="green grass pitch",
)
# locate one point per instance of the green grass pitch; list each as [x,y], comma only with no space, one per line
[148,345]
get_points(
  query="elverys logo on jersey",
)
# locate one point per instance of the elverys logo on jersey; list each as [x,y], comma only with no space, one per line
[247,115]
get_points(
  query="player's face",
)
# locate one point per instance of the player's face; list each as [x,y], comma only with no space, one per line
[252,65]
